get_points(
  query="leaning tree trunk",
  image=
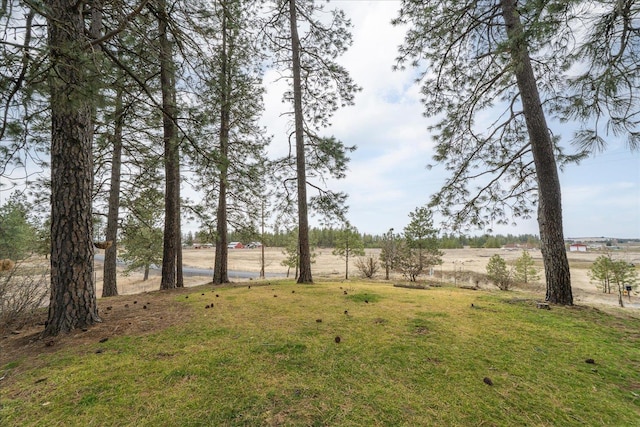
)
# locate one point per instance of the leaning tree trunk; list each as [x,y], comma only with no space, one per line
[554,252]
[167,83]
[110,286]
[73,295]
[304,254]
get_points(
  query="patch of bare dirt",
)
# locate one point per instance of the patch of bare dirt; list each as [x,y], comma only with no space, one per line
[131,315]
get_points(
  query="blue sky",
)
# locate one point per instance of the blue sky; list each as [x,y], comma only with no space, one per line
[388,177]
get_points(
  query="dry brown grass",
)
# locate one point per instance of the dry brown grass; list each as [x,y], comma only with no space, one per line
[462,267]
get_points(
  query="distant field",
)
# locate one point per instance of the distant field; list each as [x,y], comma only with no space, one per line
[326,265]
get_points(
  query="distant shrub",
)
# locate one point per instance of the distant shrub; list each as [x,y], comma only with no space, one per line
[6,265]
[368,266]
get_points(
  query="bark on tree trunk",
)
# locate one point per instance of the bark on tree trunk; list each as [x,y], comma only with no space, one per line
[110,285]
[73,296]
[304,250]
[346,259]
[553,249]
[346,266]
[620,291]
[179,272]
[167,83]
[262,274]
[220,272]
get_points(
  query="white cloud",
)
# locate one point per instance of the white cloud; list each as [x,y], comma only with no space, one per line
[387,176]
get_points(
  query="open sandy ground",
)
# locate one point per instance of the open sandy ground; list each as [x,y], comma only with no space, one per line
[463,267]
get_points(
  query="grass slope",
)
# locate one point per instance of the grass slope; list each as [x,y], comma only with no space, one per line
[267,355]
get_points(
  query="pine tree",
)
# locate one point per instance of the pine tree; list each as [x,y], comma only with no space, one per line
[601,273]
[142,236]
[18,234]
[318,87]
[421,237]
[419,248]
[171,150]
[348,243]
[291,253]
[73,298]
[603,97]
[390,252]
[109,285]
[494,55]
[525,271]
[498,272]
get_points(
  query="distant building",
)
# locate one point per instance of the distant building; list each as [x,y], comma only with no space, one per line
[518,247]
[235,245]
[197,245]
[577,247]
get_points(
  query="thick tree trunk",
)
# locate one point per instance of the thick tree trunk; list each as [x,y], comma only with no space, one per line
[73,295]
[554,253]
[220,273]
[304,249]
[110,286]
[178,179]
[167,83]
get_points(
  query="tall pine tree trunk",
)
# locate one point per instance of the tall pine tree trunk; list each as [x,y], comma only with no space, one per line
[262,244]
[110,286]
[346,265]
[220,272]
[179,271]
[304,256]
[178,179]
[554,253]
[73,295]
[167,83]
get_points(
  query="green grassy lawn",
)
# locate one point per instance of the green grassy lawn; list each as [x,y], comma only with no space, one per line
[268,356]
